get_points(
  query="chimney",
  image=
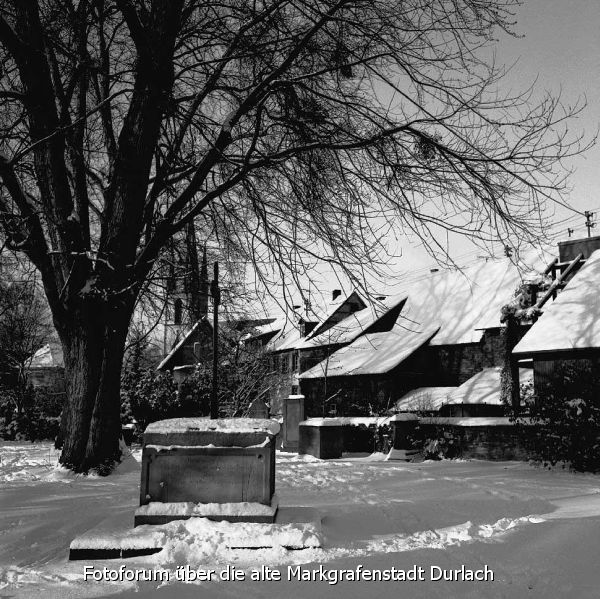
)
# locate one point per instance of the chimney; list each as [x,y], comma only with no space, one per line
[335,294]
[570,249]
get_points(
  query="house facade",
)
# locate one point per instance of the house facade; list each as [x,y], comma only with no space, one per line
[565,339]
[439,331]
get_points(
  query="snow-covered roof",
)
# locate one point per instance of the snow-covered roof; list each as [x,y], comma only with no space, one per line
[290,335]
[351,327]
[287,338]
[484,387]
[375,353]
[50,355]
[274,326]
[181,342]
[424,399]
[464,302]
[572,321]
[334,307]
[456,304]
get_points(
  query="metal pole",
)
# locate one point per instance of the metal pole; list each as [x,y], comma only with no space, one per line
[588,222]
[216,295]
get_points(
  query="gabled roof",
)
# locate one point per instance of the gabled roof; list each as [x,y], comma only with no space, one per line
[165,362]
[351,327]
[572,321]
[290,336]
[48,356]
[335,311]
[375,353]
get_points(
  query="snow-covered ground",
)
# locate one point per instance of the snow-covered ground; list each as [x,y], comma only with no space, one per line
[536,530]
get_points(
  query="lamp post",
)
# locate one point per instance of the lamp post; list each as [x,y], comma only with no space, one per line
[216,295]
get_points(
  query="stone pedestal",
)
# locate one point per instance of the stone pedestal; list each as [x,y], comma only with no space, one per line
[322,438]
[226,465]
[293,415]
[403,433]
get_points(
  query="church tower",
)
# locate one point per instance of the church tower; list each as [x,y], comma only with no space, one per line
[187,289]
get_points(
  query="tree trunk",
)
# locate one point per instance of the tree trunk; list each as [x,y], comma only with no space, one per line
[93,343]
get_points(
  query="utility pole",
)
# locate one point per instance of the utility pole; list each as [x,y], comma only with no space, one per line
[216,295]
[570,231]
[588,222]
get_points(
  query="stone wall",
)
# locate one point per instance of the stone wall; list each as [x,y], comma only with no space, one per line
[488,439]
[363,395]
[452,365]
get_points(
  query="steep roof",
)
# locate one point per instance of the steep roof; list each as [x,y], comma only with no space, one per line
[290,336]
[169,357]
[354,325]
[464,302]
[375,353]
[50,355]
[337,310]
[572,321]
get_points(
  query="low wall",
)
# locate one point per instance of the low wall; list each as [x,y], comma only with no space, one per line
[479,438]
[361,434]
[482,438]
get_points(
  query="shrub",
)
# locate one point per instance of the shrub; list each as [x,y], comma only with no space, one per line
[148,395]
[569,420]
[445,446]
[29,414]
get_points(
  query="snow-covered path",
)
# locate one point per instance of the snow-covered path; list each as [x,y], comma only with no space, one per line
[536,530]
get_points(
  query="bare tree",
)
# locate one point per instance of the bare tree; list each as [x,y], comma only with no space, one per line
[297,130]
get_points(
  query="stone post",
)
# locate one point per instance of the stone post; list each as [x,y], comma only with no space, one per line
[403,426]
[293,415]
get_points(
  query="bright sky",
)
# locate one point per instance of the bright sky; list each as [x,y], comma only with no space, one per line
[559,49]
